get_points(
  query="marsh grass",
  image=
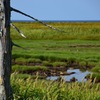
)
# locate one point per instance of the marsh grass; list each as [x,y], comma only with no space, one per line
[19,68]
[74,53]
[47,63]
[96,69]
[80,43]
[26,61]
[57,50]
[96,72]
[83,31]
[35,89]
[59,64]
[24,76]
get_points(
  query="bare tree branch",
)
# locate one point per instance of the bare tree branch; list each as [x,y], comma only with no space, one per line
[16,45]
[17,30]
[18,11]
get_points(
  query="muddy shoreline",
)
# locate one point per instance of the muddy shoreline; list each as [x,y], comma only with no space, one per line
[52,71]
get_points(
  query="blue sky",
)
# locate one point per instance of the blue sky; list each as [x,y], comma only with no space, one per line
[57,9]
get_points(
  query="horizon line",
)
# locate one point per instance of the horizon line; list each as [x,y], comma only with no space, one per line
[57,20]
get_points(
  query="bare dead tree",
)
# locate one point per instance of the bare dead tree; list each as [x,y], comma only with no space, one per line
[5,51]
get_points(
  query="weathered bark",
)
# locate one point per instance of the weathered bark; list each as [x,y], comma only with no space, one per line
[5,51]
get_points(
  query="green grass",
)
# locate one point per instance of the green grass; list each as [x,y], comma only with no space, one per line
[57,50]
[17,68]
[35,89]
[96,72]
[46,63]
[97,76]
[26,76]
[24,61]
[59,64]
[79,44]
[96,69]
[83,31]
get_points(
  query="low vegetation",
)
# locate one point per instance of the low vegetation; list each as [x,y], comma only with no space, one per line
[45,50]
[72,30]
[36,89]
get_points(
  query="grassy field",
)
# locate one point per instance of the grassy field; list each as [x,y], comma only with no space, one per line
[83,31]
[78,47]
[58,49]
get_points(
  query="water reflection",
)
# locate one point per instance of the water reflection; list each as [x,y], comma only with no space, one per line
[79,75]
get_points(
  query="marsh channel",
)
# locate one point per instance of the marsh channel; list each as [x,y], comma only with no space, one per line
[75,75]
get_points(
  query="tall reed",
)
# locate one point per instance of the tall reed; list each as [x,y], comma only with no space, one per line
[35,89]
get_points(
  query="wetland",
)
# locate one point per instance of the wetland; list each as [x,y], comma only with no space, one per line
[46,55]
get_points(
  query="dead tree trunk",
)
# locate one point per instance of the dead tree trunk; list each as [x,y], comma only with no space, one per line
[5,50]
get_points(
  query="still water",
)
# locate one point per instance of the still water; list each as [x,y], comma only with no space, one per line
[79,75]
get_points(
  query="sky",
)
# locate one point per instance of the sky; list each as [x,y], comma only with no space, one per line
[57,9]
